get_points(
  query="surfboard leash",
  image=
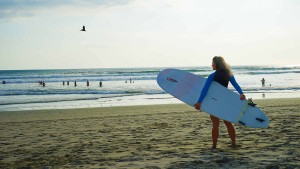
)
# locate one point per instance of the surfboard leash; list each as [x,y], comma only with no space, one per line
[249,102]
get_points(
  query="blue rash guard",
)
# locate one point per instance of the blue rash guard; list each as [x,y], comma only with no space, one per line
[211,78]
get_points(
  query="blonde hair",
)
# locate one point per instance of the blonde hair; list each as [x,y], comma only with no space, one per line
[221,64]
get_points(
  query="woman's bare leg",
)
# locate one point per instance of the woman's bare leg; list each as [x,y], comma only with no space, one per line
[215,130]
[231,132]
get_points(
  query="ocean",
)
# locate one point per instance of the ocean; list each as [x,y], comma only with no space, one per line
[126,86]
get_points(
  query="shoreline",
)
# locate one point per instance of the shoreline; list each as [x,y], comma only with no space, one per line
[148,136]
[178,102]
[138,100]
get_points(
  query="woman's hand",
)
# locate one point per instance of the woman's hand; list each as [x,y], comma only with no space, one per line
[197,106]
[242,97]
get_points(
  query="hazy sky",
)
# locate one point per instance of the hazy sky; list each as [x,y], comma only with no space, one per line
[41,34]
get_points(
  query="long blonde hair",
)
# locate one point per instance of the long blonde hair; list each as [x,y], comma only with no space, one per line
[221,64]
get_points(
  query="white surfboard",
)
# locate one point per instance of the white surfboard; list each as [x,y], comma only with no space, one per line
[219,101]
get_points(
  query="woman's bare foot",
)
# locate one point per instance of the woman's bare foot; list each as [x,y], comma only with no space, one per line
[234,146]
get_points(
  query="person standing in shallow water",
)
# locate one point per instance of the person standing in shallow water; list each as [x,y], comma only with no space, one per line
[221,75]
[263,81]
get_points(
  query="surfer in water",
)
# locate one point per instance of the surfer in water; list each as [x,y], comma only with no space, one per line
[222,75]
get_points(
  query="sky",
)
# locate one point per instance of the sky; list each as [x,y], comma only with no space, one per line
[40,34]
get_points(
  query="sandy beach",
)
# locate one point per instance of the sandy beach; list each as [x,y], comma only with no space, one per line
[153,136]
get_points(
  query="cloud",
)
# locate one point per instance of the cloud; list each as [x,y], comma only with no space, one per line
[11,9]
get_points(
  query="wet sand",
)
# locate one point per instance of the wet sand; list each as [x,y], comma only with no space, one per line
[154,136]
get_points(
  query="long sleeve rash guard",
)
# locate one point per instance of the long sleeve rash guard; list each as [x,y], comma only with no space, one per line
[209,81]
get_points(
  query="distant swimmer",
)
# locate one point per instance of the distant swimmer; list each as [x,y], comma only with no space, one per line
[87,83]
[83,28]
[3,82]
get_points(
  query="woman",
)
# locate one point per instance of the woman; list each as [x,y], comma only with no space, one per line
[221,75]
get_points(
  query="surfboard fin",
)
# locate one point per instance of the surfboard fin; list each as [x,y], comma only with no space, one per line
[259,119]
[242,123]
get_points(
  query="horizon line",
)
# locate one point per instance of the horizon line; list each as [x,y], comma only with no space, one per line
[250,65]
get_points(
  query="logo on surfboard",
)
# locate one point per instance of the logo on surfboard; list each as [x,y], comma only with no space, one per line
[172,80]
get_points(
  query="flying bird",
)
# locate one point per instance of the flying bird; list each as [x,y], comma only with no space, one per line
[83,28]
